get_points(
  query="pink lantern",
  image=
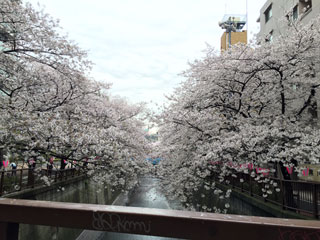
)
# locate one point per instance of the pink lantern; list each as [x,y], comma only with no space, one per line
[305,172]
[5,163]
[289,170]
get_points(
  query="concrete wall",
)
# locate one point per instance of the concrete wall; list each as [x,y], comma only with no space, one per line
[260,206]
[280,9]
[83,191]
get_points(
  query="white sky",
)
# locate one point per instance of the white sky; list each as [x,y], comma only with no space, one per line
[140,46]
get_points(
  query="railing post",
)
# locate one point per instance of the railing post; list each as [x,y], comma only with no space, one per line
[265,198]
[315,201]
[250,182]
[9,231]
[1,182]
[20,180]
[282,193]
[242,182]
[31,177]
[232,182]
[298,201]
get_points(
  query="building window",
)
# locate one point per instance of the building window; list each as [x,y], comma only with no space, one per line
[268,13]
[295,14]
[292,15]
[305,6]
[4,37]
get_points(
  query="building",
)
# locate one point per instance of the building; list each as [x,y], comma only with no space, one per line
[233,25]
[276,16]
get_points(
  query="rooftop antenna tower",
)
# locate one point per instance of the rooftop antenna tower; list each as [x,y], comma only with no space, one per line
[233,23]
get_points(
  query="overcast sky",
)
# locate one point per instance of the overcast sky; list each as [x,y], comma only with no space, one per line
[140,46]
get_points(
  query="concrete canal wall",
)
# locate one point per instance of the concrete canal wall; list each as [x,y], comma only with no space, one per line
[83,190]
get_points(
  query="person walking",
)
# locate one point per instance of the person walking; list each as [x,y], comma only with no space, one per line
[14,169]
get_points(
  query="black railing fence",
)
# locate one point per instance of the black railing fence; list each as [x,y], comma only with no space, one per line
[300,196]
[26,178]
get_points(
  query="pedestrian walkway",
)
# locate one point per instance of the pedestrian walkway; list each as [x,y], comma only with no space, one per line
[147,194]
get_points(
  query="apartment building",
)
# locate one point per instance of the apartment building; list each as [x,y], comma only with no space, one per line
[275,19]
[275,15]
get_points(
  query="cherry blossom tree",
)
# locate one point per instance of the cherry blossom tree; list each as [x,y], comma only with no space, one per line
[249,105]
[50,107]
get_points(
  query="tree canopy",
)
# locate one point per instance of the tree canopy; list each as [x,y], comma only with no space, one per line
[252,104]
[50,107]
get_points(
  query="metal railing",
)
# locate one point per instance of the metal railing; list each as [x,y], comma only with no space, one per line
[151,222]
[300,196]
[27,178]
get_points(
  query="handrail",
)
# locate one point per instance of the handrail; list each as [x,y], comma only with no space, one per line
[294,193]
[27,178]
[151,222]
[294,181]
[35,169]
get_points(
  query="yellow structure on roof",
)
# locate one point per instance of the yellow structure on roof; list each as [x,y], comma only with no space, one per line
[236,37]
